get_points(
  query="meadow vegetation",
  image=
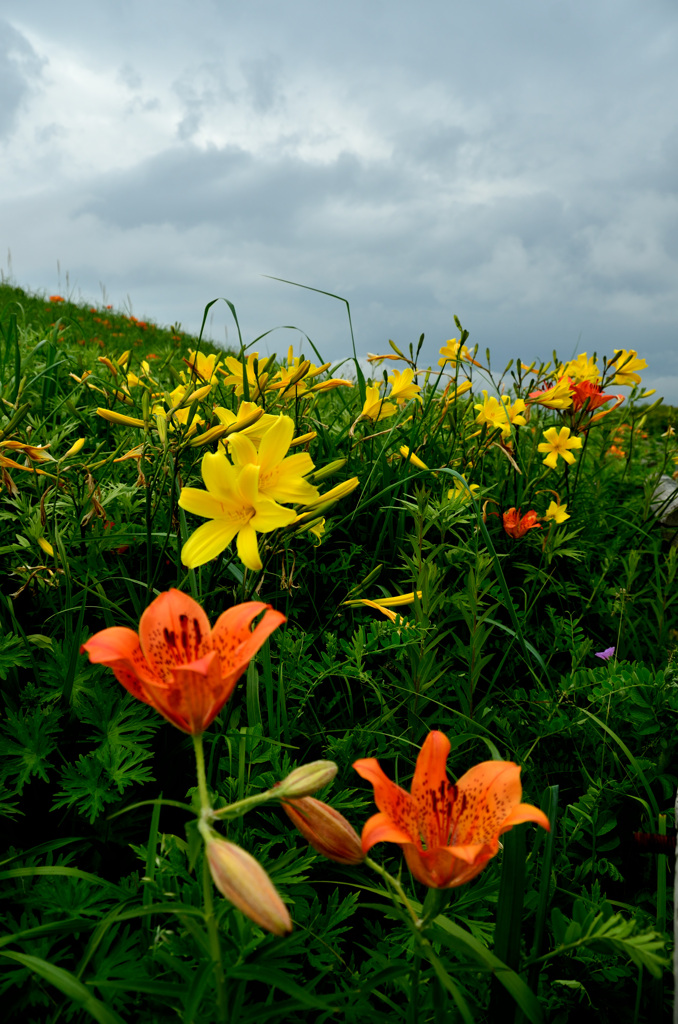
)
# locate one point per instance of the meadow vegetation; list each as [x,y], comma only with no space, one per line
[448,572]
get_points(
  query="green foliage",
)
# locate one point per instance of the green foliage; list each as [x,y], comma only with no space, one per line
[604,930]
[104,908]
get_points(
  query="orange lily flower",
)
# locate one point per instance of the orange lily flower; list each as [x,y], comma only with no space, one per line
[587,392]
[516,525]
[447,832]
[177,663]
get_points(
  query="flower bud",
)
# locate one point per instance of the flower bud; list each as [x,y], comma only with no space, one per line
[328,470]
[306,780]
[75,448]
[243,881]
[118,417]
[327,831]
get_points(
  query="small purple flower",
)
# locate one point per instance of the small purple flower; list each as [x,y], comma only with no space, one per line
[607,653]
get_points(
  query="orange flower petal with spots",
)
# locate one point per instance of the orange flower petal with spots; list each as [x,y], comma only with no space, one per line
[177,663]
[447,832]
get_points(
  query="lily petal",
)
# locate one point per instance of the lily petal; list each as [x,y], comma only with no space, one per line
[208,541]
[173,630]
[219,475]
[248,548]
[393,801]
[119,649]
[275,443]
[207,504]
[380,829]
[526,812]
[490,791]
[243,449]
[431,790]
[194,695]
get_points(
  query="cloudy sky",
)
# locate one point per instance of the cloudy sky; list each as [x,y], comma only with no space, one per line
[513,163]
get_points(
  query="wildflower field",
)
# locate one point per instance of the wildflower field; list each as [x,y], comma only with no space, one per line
[331,693]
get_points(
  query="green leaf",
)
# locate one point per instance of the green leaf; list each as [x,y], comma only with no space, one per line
[455,937]
[276,979]
[27,745]
[69,985]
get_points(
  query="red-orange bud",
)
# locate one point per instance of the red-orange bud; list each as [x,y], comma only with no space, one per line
[326,830]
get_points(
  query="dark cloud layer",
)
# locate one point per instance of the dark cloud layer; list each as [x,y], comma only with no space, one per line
[513,164]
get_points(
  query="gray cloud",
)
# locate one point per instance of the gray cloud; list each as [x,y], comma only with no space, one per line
[514,164]
[19,67]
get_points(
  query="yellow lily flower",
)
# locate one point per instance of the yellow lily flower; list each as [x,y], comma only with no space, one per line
[385,602]
[35,452]
[238,372]
[558,444]
[580,369]
[250,420]
[202,366]
[452,351]
[459,491]
[46,546]
[500,414]
[324,501]
[556,512]
[557,397]
[118,417]
[376,408]
[329,385]
[402,386]
[411,457]
[627,365]
[280,478]
[75,448]
[235,507]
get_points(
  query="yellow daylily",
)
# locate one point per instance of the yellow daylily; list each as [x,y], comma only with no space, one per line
[329,498]
[235,508]
[46,546]
[180,401]
[329,385]
[411,457]
[250,420]
[202,366]
[452,351]
[118,417]
[35,452]
[556,512]
[403,387]
[75,448]
[317,528]
[237,372]
[385,608]
[559,396]
[558,444]
[376,408]
[280,478]
[460,492]
[627,366]
[292,379]
[500,414]
[385,602]
[580,369]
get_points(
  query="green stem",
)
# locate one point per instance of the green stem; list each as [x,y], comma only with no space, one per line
[205,803]
[397,887]
[210,919]
[241,806]
[213,935]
